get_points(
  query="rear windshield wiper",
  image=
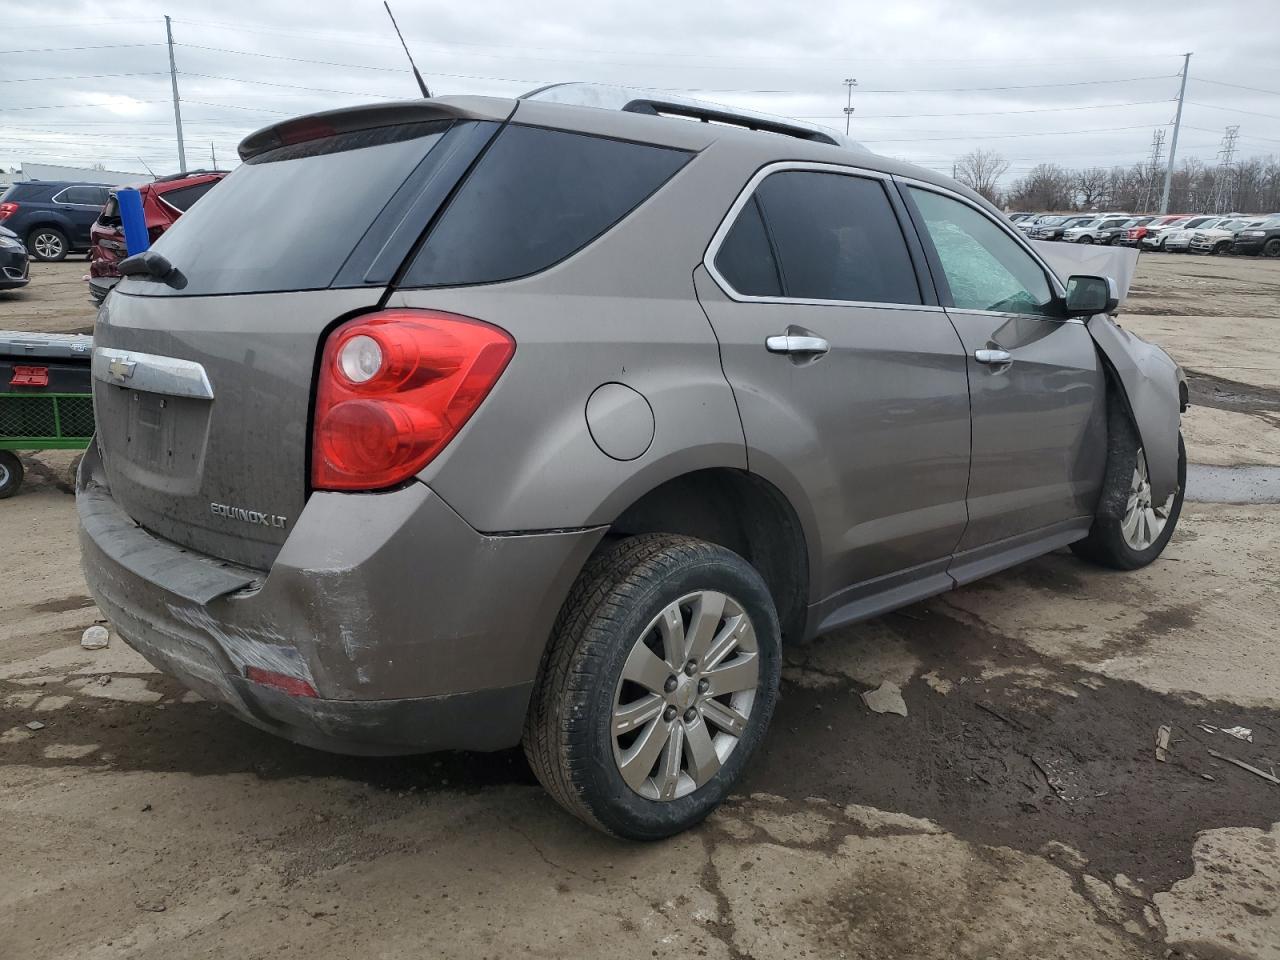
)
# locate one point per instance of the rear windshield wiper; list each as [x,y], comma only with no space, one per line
[150,265]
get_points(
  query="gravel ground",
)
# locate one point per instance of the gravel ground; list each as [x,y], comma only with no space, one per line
[1017,810]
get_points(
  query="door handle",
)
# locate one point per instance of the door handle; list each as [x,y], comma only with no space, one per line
[797,346]
[993,356]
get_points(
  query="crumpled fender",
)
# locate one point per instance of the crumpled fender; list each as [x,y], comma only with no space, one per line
[1154,387]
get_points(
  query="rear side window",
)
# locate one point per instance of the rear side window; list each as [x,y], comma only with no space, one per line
[94,196]
[181,198]
[745,258]
[288,218]
[536,197]
[837,238]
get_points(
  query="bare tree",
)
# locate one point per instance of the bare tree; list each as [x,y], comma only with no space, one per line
[981,170]
[1046,186]
[1091,187]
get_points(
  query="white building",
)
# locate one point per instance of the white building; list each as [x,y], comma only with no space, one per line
[49,171]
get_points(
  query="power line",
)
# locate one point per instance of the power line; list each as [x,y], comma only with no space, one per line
[73,106]
[994,113]
[1026,86]
[1238,86]
[85,76]
[1252,113]
[104,46]
[1010,136]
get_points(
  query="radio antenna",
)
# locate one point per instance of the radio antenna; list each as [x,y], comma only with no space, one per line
[422,84]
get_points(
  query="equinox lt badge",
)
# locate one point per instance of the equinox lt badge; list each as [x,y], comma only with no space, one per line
[247,516]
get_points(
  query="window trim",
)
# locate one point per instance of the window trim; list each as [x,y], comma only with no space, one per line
[57,197]
[1016,235]
[923,278]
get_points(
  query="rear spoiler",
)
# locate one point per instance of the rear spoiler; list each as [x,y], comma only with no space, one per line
[366,117]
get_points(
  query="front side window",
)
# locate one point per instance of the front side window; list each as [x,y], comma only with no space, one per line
[985,268]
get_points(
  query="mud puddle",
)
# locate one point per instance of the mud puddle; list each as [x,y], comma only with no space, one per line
[1231,395]
[1040,752]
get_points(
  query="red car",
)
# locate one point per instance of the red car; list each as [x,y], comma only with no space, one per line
[163,201]
[1133,236]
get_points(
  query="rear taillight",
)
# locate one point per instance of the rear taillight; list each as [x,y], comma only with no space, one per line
[394,388]
[7,210]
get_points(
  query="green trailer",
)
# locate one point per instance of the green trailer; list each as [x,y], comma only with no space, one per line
[46,398]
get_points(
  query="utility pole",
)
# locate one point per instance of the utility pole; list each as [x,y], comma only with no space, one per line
[849,84]
[1223,177]
[177,111]
[1173,143]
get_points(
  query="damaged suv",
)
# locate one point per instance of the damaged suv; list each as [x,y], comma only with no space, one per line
[554,422]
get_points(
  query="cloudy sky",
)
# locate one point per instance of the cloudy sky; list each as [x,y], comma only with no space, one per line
[1083,83]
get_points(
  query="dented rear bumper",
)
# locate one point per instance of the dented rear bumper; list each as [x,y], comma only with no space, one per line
[417,632]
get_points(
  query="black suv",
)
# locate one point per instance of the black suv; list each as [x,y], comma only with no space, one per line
[53,217]
[1263,238]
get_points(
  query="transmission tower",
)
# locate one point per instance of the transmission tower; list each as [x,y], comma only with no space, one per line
[1225,175]
[1157,152]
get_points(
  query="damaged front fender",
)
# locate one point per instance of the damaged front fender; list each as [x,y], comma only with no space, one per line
[1153,387]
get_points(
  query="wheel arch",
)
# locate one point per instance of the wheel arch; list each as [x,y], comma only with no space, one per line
[742,512]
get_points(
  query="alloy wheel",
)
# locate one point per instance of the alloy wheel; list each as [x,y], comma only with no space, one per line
[1143,520]
[685,695]
[48,246]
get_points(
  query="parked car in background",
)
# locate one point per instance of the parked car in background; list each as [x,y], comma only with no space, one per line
[52,217]
[1018,217]
[1055,231]
[1100,229]
[163,202]
[1028,223]
[1217,239]
[1155,239]
[531,421]
[1134,236]
[1177,239]
[1115,234]
[13,261]
[1260,239]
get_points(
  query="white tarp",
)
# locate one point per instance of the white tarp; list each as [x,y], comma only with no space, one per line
[1090,259]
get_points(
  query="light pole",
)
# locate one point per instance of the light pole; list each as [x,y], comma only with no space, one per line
[849,84]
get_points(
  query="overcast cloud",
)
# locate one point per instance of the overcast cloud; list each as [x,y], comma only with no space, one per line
[58,105]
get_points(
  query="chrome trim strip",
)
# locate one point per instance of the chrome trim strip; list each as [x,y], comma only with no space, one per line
[151,373]
[717,238]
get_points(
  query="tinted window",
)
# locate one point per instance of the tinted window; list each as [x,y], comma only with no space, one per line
[536,197]
[290,217]
[745,259]
[837,238]
[985,268]
[87,195]
[183,197]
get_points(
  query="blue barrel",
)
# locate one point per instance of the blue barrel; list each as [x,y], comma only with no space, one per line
[133,220]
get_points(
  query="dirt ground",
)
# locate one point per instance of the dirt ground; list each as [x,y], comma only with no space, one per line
[1016,810]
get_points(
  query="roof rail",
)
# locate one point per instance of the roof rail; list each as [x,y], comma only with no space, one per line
[662,103]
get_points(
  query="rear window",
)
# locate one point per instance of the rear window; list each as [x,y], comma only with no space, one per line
[288,218]
[181,198]
[535,198]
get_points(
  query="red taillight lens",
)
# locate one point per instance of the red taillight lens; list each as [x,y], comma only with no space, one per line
[7,210]
[394,388]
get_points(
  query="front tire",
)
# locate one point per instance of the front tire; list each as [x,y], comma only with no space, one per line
[658,684]
[1271,248]
[1085,239]
[1130,530]
[1221,247]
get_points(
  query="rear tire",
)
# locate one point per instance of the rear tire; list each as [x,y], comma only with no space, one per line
[48,244]
[646,758]
[10,474]
[1129,530]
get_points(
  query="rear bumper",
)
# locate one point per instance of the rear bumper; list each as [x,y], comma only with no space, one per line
[417,632]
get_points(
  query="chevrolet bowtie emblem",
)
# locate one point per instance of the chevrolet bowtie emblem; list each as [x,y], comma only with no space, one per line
[121,369]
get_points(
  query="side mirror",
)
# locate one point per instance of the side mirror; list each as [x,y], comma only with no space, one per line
[1087,296]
